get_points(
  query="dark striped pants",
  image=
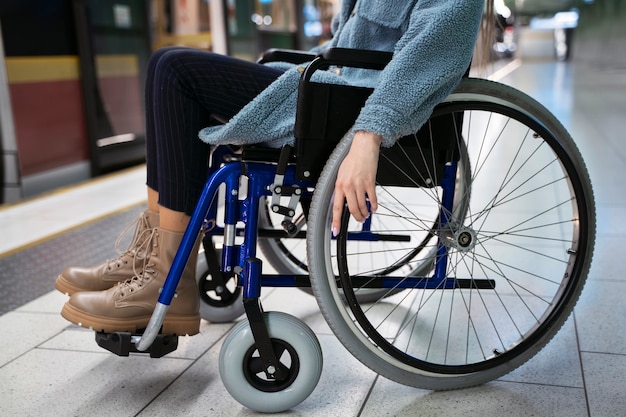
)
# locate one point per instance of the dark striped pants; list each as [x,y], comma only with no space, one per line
[183,88]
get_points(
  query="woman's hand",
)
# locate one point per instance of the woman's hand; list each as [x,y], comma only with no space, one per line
[356,179]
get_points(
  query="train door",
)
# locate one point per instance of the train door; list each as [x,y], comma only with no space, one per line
[114,46]
[9,171]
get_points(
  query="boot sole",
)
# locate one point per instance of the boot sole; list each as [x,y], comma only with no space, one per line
[176,325]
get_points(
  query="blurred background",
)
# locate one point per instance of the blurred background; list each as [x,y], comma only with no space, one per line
[71,71]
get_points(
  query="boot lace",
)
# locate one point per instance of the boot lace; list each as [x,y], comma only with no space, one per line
[141,235]
[149,246]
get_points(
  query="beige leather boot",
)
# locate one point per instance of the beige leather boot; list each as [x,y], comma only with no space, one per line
[129,305]
[108,274]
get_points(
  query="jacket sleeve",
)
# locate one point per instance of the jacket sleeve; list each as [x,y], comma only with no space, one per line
[428,63]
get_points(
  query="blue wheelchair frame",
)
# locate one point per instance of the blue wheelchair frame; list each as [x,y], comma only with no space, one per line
[241,258]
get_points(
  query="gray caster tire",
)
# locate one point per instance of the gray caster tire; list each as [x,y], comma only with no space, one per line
[244,377]
[217,307]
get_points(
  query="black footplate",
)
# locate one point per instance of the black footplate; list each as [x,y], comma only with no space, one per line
[123,344]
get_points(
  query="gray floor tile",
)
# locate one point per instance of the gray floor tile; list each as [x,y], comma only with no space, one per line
[611,193]
[52,302]
[189,347]
[300,304]
[600,317]
[556,364]
[26,331]
[67,383]
[604,377]
[199,392]
[494,399]
[606,263]
[609,220]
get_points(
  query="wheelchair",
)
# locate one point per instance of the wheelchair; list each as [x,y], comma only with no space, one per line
[476,256]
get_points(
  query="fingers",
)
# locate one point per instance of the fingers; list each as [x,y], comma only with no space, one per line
[373,199]
[360,205]
[337,210]
[356,180]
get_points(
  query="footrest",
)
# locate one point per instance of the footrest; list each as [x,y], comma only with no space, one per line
[123,343]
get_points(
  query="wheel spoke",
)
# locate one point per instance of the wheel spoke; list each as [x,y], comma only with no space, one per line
[256,365]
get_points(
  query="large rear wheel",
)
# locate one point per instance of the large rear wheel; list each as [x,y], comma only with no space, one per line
[508,268]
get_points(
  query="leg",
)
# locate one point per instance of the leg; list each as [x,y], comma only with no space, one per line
[186,87]
[183,88]
[174,221]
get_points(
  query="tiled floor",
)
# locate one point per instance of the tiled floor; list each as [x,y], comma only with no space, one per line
[51,368]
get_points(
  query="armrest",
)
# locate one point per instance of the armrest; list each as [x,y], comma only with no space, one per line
[357,58]
[286,55]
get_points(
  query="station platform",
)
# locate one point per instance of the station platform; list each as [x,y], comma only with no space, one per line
[49,367]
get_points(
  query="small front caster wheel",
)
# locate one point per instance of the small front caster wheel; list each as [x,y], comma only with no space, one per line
[220,301]
[245,376]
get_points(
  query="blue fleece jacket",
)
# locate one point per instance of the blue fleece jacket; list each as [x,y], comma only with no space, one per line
[432,43]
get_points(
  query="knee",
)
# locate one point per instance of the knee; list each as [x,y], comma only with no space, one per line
[163,63]
[161,54]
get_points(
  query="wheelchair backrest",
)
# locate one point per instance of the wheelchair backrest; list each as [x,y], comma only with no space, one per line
[327,111]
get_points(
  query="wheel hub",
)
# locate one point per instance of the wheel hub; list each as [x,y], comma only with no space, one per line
[461,238]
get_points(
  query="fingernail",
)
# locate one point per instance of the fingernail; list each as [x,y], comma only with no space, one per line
[335,232]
